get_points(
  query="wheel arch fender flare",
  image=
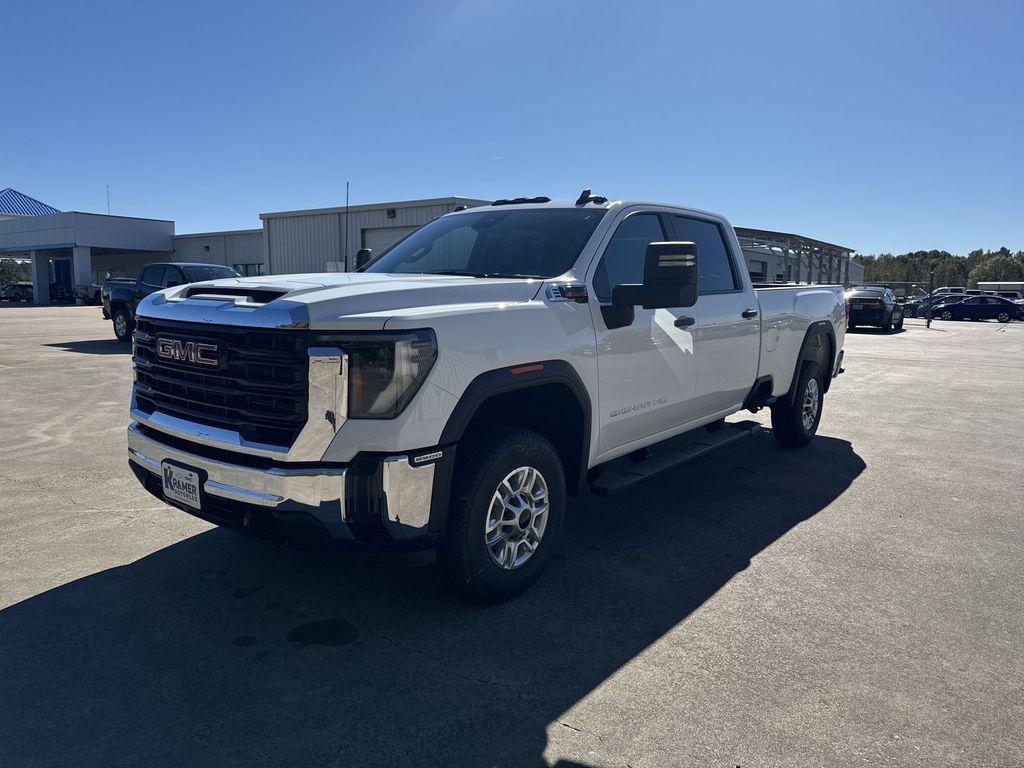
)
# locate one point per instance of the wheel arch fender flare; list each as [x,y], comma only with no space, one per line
[819,328]
[500,381]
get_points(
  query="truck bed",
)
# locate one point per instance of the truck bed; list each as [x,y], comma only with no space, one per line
[787,311]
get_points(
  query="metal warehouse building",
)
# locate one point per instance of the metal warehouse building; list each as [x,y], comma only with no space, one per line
[327,239]
[72,250]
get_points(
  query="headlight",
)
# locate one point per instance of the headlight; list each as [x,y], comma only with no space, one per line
[385,370]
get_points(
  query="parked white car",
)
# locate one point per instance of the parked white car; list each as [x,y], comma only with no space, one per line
[455,392]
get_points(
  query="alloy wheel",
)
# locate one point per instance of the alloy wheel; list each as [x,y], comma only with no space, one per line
[809,410]
[516,518]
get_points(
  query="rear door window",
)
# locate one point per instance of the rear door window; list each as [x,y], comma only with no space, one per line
[717,270]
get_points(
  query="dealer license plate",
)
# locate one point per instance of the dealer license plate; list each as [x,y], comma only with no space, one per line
[181,485]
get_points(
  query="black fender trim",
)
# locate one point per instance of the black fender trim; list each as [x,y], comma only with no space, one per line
[755,398]
[819,327]
[516,377]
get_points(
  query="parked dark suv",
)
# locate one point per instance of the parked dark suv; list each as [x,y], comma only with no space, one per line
[120,297]
[874,306]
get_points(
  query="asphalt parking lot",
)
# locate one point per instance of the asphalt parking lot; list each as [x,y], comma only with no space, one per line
[857,602]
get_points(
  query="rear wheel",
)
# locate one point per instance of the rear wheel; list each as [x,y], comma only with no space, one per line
[1003,317]
[795,421]
[124,325]
[899,325]
[506,514]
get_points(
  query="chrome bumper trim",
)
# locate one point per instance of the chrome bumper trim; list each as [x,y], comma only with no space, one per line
[408,489]
[315,490]
[326,412]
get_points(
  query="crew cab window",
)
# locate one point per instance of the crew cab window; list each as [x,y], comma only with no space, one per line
[623,259]
[152,275]
[717,271]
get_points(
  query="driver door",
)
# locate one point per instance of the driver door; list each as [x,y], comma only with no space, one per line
[647,371]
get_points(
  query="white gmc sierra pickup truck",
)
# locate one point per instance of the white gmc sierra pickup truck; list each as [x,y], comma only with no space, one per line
[452,393]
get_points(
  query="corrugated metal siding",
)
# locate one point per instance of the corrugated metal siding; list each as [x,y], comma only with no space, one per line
[307,242]
[379,239]
[298,244]
[227,248]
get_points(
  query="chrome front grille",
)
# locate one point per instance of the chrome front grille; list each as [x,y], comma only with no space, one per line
[258,385]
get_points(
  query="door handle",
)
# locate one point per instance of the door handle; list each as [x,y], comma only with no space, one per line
[749,313]
[685,322]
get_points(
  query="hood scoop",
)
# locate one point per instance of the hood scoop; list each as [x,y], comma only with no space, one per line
[254,296]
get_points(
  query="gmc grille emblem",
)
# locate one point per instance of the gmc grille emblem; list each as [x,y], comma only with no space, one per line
[188,351]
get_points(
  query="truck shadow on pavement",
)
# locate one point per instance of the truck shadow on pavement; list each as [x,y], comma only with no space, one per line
[222,650]
[95,347]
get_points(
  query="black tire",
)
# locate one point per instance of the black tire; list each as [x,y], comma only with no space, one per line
[124,321]
[1003,317]
[463,557]
[899,325]
[887,325]
[851,327]
[787,414]
[947,315]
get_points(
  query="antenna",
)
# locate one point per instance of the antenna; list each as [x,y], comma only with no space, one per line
[346,225]
[108,199]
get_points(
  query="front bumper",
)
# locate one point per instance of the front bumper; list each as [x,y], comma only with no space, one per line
[376,501]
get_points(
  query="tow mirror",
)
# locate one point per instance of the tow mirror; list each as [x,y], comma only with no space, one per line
[363,256]
[670,278]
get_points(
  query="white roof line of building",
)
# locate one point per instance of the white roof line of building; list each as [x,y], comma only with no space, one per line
[221,232]
[453,200]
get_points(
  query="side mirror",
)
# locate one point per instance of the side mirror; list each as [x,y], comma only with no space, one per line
[670,278]
[363,256]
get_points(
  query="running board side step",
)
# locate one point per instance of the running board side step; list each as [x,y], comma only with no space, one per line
[701,442]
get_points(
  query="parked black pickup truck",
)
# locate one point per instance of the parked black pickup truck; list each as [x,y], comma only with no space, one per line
[120,296]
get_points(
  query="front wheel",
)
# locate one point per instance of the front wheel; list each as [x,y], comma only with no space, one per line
[506,514]
[124,325]
[947,315]
[795,421]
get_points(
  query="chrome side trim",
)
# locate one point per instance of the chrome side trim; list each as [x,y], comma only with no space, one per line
[327,406]
[326,412]
[839,364]
[315,490]
[407,489]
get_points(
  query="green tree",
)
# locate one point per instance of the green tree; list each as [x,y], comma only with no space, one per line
[999,268]
[12,271]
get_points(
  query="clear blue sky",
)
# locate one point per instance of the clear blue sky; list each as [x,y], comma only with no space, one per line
[886,126]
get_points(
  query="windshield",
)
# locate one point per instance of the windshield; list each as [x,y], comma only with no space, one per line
[532,242]
[211,272]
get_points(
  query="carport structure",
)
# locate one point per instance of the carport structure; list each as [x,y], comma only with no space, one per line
[798,259]
[87,243]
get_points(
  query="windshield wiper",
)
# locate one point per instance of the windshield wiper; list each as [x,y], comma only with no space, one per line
[467,273]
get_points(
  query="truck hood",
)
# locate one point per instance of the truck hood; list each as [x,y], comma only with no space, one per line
[328,301]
